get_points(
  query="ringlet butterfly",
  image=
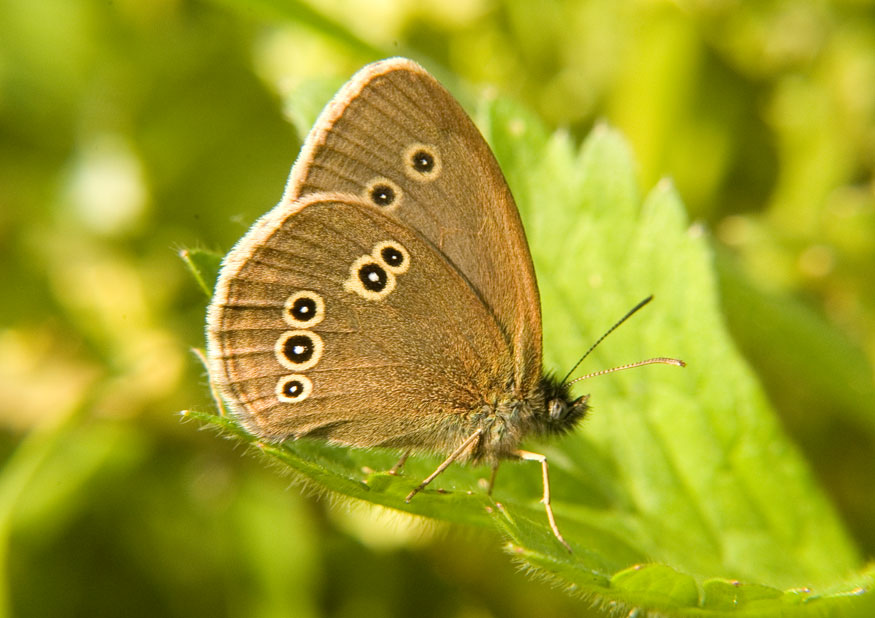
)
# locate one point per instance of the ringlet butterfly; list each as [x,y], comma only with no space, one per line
[390,299]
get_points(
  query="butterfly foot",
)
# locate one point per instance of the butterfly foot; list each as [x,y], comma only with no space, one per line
[418,488]
[491,482]
[396,469]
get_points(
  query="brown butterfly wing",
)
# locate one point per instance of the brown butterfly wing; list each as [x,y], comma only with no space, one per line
[394,371]
[370,132]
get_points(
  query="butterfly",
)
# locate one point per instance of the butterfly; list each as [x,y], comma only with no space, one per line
[390,298]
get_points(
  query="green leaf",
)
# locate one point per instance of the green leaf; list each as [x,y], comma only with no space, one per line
[657,584]
[680,483]
[725,594]
[203,265]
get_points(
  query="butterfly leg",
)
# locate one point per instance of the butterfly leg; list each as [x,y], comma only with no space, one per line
[527,456]
[397,467]
[492,479]
[469,441]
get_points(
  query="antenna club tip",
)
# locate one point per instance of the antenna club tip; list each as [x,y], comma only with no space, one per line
[650,361]
[667,361]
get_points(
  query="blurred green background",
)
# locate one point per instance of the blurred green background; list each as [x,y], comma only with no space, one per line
[135,128]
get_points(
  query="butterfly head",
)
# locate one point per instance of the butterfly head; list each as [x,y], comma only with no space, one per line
[561,411]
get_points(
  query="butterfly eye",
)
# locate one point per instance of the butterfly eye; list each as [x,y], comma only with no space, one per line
[304,309]
[383,193]
[393,255]
[294,388]
[422,162]
[558,409]
[298,349]
[370,278]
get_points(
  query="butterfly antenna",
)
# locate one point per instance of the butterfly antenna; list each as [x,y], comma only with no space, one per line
[650,361]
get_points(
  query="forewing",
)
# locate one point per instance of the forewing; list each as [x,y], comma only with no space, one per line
[366,142]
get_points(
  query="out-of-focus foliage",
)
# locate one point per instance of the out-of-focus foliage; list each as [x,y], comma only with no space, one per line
[129,130]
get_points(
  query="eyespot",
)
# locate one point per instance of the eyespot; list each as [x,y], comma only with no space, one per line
[304,309]
[370,278]
[373,277]
[422,162]
[293,388]
[298,349]
[384,193]
[393,256]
